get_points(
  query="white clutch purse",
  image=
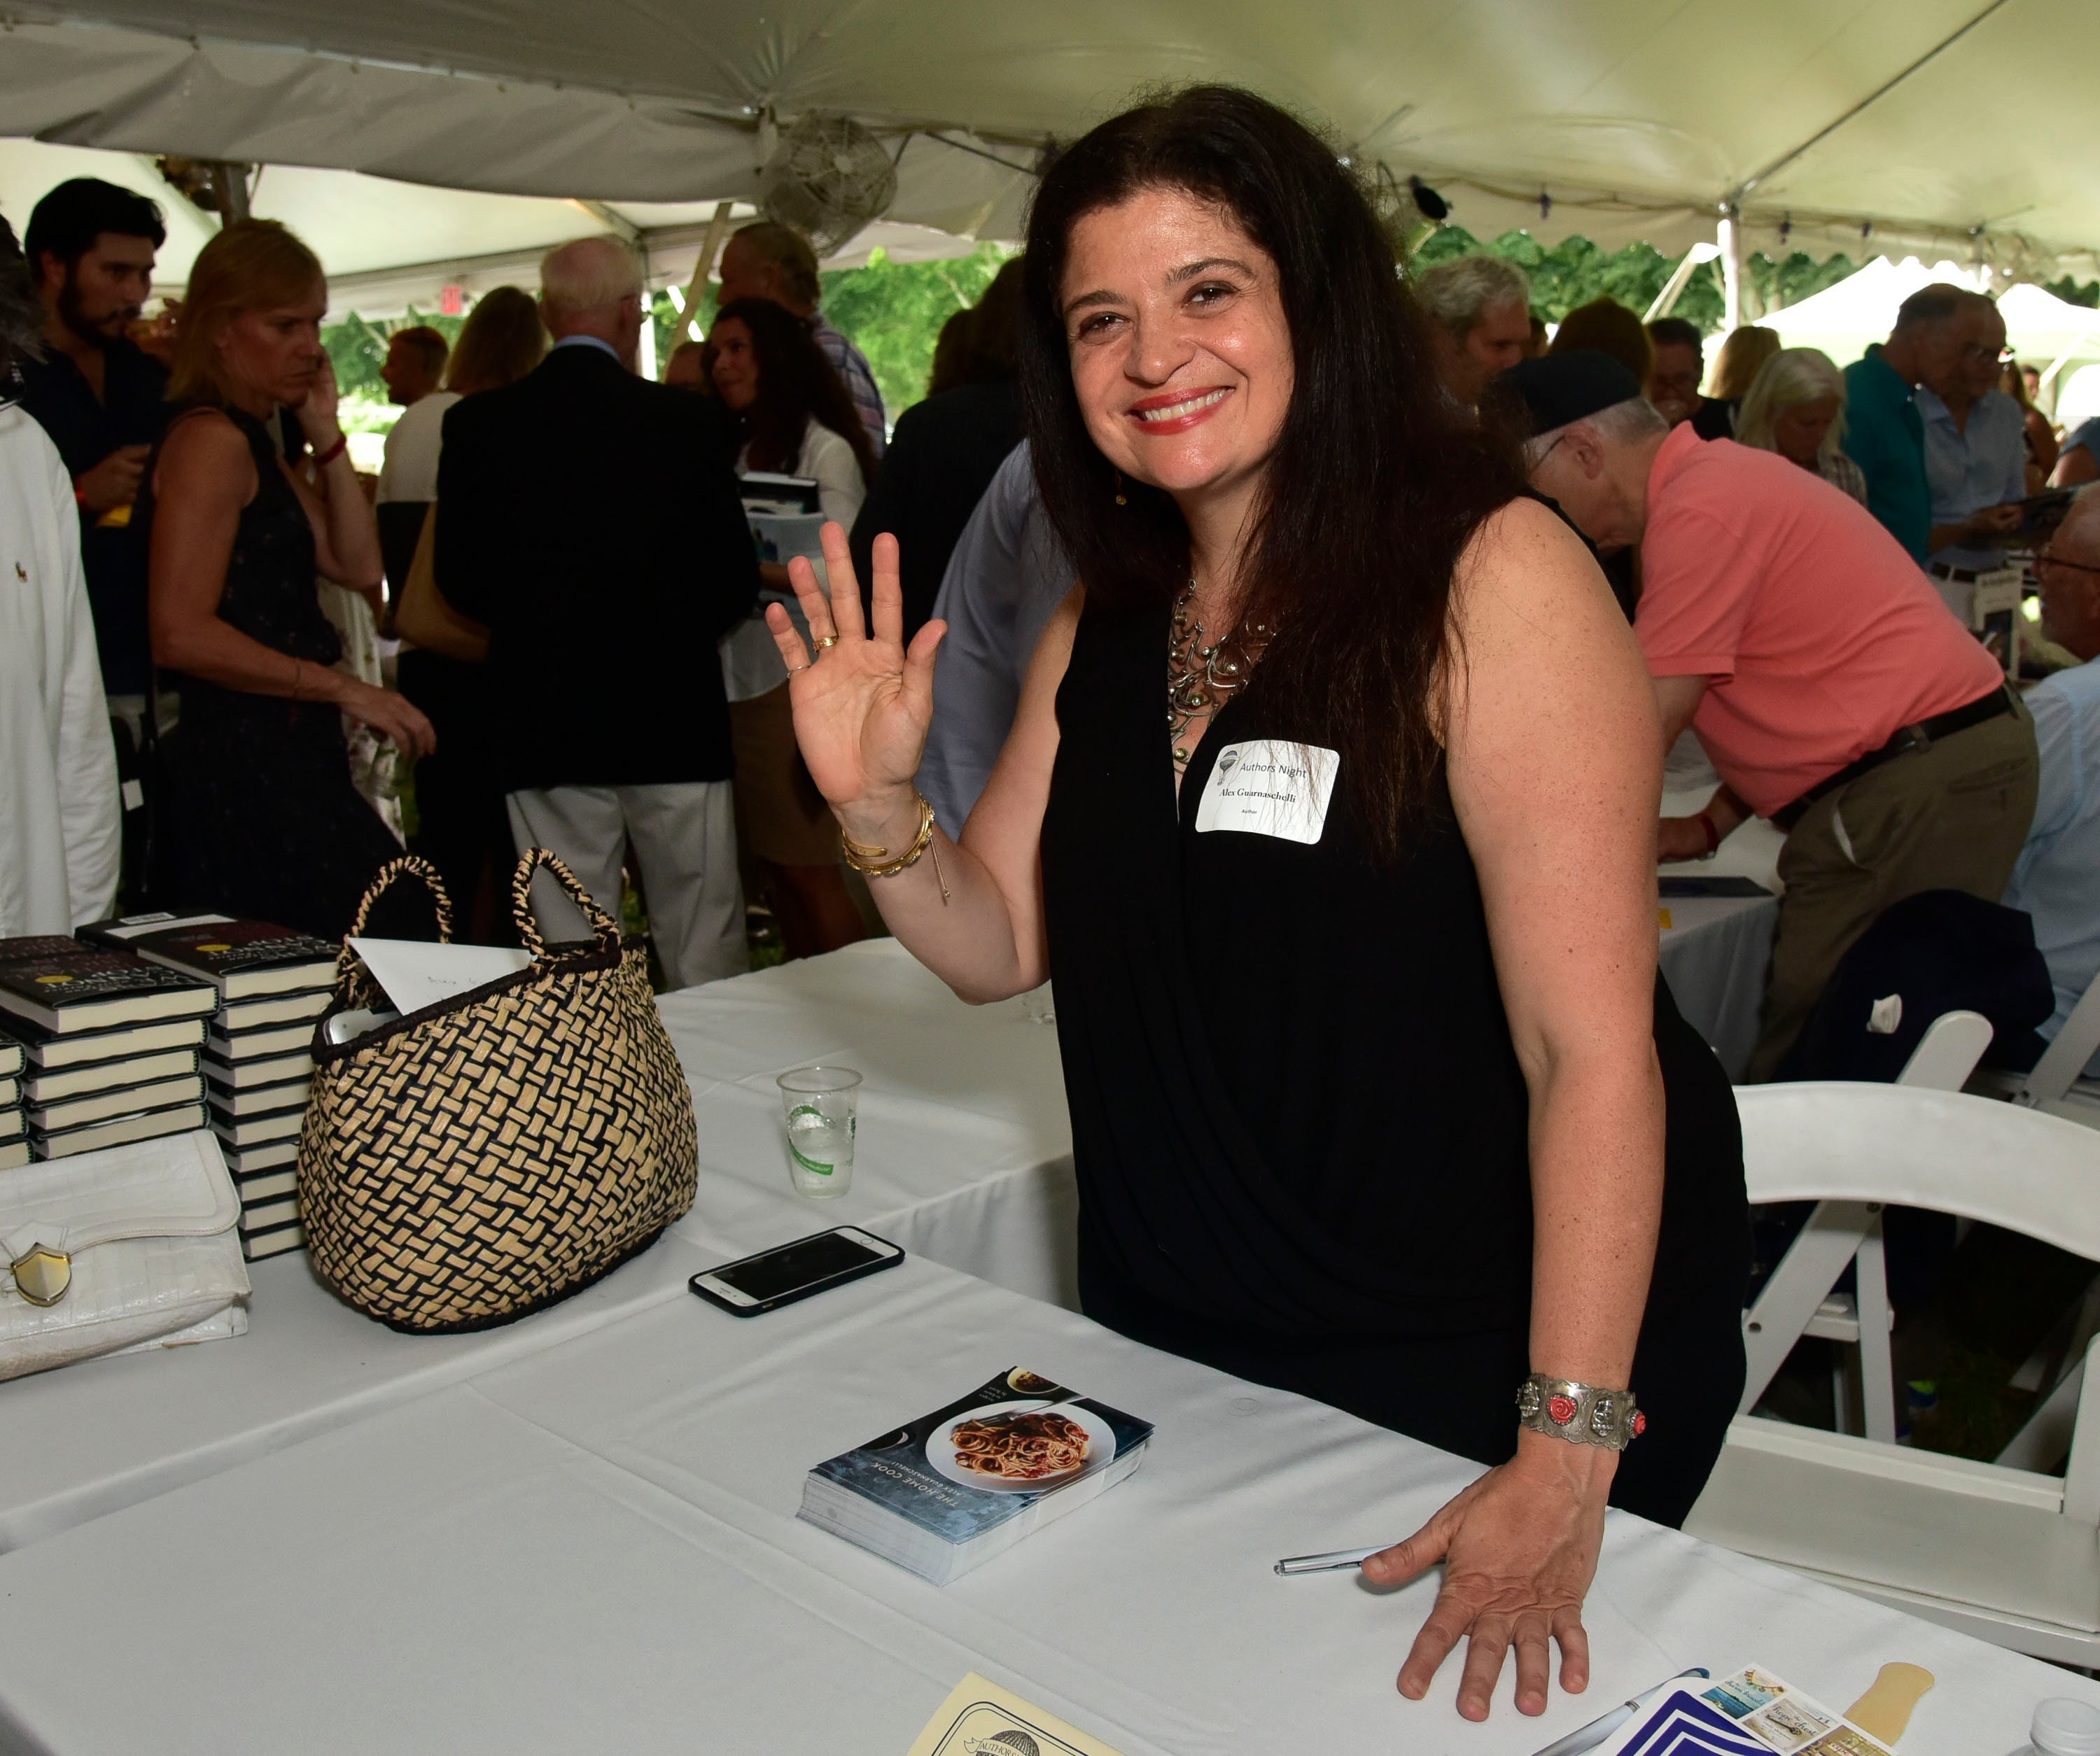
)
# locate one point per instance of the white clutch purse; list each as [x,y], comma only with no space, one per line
[135,1246]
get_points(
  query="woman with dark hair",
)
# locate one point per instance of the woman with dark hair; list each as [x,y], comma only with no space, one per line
[258,815]
[794,416]
[1451,1162]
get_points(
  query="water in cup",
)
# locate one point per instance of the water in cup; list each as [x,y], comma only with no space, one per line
[822,1104]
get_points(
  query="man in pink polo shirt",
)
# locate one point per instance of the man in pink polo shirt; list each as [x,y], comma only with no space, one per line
[1832,689]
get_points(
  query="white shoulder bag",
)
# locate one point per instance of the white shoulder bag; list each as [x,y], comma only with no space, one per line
[134,1247]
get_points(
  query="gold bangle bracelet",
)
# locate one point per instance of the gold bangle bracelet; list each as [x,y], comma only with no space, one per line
[877,862]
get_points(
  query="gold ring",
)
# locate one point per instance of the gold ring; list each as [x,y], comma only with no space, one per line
[827,640]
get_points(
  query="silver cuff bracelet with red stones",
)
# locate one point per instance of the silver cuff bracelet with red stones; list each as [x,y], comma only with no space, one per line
[1580,1414]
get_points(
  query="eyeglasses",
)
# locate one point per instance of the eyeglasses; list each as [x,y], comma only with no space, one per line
[1549,451]
[2046,560]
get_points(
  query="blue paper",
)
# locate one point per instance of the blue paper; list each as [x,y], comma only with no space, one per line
[1680,1724]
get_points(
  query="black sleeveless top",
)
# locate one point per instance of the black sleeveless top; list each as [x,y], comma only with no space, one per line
[1296,1109]
[270,593]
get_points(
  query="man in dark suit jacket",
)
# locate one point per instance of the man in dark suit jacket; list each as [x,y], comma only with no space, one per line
[591,520]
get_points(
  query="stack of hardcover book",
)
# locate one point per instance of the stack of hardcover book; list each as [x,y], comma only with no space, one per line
[109,1044]
[14,1125]
[271,984]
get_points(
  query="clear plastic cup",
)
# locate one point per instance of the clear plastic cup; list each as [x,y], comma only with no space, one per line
[824,1111]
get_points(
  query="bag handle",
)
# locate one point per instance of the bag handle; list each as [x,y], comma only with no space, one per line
[602,925]
[407,866]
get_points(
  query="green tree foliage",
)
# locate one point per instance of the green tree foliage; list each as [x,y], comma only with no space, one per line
[2073,291]
[1574,271]
[357,348]
[892,312]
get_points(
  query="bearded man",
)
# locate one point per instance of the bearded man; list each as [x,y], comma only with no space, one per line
[90,246]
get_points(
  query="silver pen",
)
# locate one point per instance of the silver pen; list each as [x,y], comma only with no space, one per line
[1590,1736]
[1328,1563]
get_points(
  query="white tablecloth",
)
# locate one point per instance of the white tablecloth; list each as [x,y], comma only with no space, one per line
[594,1550]
[964,1156]
[88,1439]
[964,1147]
[1718,950]
[1752,852]
[1714,954]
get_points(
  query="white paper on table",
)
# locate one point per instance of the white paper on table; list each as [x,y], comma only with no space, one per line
[416,973]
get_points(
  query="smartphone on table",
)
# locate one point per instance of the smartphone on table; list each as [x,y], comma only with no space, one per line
[789,1272]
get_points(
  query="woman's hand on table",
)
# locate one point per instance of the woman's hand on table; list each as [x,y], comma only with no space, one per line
[863,704]
[1519,1549]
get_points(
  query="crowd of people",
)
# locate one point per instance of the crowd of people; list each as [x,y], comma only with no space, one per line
[1433,588]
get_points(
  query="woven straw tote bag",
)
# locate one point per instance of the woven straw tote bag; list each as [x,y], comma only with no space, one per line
[481,1158]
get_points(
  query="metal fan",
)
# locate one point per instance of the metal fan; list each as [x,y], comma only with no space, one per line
[827,178]
[1407,212]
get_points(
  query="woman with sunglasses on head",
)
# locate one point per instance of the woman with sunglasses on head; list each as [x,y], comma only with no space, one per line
[1450,1160]
[258,816]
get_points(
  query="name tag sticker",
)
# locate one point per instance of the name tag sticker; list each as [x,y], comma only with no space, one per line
[1269,787]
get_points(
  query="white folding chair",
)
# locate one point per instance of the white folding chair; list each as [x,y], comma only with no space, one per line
[2057,1081]
[1798,1299]
[2012,1556]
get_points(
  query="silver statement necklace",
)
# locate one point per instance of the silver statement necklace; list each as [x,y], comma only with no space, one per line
[1201,676]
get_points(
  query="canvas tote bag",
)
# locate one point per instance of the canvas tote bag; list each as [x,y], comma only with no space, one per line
[480,1158]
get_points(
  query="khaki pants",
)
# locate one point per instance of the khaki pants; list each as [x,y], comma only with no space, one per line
[1952,817]
[685,835]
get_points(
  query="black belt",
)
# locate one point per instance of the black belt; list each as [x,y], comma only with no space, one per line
[1919,737]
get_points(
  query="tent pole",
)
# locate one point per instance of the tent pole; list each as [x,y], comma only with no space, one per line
[229,183]
[1730,236]
[1680,277]
[703,264]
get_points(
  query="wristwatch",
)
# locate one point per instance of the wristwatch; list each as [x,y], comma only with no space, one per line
[1582,1414]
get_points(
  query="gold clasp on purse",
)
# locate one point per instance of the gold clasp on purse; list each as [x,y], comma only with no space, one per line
[42,1274]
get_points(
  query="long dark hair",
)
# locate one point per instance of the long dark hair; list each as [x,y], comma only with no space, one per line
[1376,482]
[796,385]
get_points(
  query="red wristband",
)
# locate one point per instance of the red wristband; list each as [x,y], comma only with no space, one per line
[322,460]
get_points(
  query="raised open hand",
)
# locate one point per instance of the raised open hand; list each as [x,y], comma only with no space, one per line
[861,702]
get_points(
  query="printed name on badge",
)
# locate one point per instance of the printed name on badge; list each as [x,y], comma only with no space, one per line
[1269,787]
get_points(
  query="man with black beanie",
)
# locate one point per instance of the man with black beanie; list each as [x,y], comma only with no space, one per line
[1833,691]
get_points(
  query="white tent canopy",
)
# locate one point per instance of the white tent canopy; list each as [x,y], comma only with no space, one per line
[1843,320]
[387,246]
[1961,127]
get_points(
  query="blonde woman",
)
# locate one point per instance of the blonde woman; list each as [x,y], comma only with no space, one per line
[1796,406]
[1735,370]
[259,816]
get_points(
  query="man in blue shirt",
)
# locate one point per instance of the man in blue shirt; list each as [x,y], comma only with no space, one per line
[1005,581]
[1975,457]
[1884,434]
[2058,879]
[768,260]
